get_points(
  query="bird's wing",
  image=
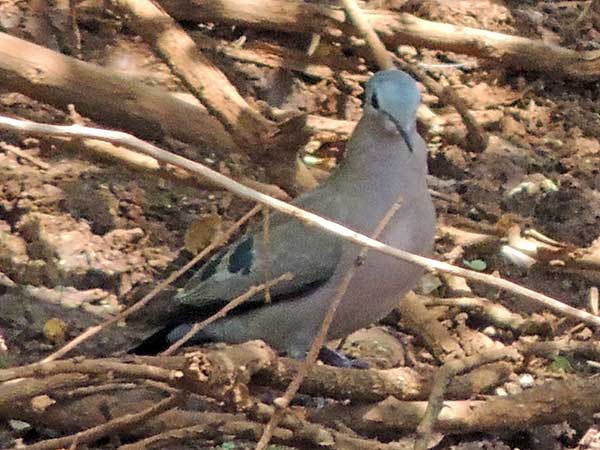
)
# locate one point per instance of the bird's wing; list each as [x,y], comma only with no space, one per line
[308,253]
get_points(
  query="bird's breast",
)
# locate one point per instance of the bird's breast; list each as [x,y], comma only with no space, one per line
[381,281]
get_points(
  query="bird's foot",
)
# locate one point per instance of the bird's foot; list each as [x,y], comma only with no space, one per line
[338,359]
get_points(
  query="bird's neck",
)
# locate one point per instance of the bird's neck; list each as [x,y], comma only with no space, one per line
[382,172]
[379,161]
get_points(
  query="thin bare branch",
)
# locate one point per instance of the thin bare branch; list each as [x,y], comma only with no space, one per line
[282,403]
[225,310]
[144,301]
[442,379]
[286,208]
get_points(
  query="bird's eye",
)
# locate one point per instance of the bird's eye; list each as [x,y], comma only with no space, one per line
[374,101]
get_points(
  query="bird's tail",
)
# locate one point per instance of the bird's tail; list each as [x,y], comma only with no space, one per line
[165,337]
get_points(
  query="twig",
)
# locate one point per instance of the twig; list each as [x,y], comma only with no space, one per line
[21,154]
[382,56]
[112,426]
[535,234]
[582,16]
[267,252]
[442,379]
[495,313]
[75,33]
[282,403]
[84,391]
[450,198]
[477,138]
[307,217]
[593,300]
[91,366]
[225,310]
[144,301]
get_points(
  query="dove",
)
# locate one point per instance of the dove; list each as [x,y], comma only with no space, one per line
[385,162]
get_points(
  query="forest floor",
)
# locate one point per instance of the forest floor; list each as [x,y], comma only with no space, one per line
[81,237]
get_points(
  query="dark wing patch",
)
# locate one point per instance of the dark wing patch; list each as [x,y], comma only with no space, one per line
[242,256]
[309,254]
[211,266]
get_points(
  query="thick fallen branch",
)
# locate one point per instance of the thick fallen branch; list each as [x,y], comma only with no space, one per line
[425,324]
[572,399]
[324,381]
[440,384]
[110,98]
[71,408]
[252,132]
[403,383]
[178,424]
[320,435]
[362,25]
[13,393]
[395,29]
[561,346]
[142,109]
[309,218]
[293,431]
[105,95]
[214,372]
[113,426]
[247,127]
[495,313]
[216,431]
[549,403]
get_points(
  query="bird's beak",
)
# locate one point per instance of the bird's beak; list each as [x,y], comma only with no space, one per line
[402,130]
[406,137]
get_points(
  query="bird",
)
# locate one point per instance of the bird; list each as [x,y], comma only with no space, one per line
[385,161]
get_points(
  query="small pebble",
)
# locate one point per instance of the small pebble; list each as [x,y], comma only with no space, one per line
[526,381]
[280,402]
[490,331]
[19,426]
[513,388]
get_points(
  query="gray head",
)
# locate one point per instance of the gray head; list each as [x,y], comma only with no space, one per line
[394,95]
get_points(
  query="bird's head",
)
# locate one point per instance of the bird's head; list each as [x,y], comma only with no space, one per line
[393,95]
